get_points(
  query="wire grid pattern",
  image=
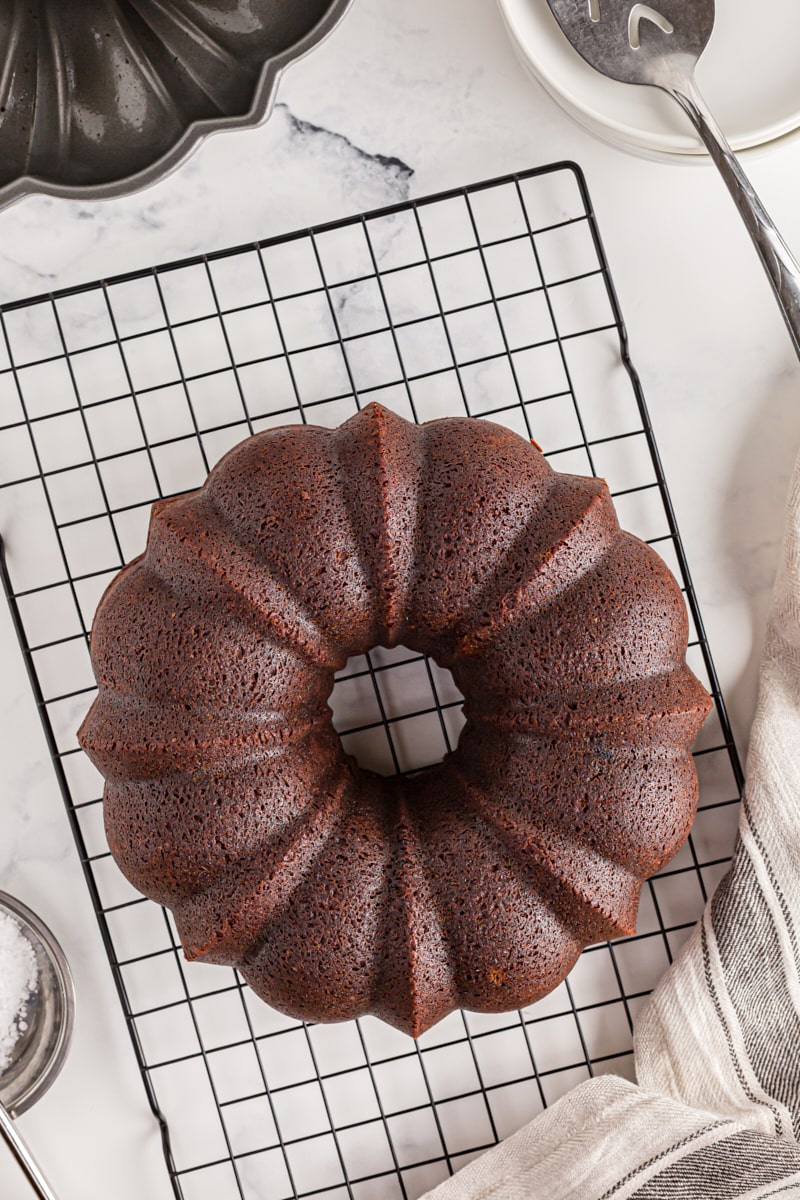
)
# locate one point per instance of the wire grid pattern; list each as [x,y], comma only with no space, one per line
[494,301]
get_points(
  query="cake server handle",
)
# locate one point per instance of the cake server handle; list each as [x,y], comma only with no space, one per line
[777,259]
[24,1157]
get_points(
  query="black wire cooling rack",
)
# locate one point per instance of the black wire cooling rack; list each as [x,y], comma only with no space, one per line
[494,301]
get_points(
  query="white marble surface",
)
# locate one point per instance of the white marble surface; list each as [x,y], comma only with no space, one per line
[404,100]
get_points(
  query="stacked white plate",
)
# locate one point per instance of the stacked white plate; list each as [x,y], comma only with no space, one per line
[749,74]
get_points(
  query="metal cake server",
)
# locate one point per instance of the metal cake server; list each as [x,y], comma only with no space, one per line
[659,46]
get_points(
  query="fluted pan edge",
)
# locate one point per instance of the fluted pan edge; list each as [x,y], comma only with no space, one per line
[103,97]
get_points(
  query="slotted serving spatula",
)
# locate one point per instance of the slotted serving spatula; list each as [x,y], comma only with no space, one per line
[659,46]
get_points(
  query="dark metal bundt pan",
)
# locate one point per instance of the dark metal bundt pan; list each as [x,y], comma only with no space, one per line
[99,97]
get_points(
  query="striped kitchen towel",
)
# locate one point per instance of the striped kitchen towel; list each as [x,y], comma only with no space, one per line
[716,1113]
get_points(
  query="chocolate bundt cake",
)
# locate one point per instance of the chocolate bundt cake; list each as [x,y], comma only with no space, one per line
[335,891]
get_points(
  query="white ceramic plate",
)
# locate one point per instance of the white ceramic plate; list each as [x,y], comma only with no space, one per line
[749,74]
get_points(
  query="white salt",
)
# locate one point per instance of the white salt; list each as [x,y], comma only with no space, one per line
[19,975]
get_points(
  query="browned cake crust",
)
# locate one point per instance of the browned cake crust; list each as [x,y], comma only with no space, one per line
[228,795]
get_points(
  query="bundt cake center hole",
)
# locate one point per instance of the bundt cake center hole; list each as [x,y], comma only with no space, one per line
[396,711]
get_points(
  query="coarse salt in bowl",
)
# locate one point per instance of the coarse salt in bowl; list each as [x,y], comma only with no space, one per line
[37,1006]
[19,977]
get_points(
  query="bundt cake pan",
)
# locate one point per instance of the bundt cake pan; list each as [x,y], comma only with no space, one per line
[101,97]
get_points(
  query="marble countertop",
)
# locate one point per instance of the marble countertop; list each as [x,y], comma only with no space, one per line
[401,101]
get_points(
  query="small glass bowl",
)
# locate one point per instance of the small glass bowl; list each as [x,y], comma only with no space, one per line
[41,1050]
